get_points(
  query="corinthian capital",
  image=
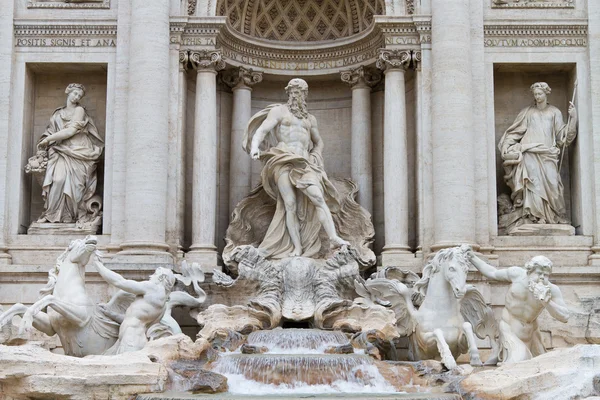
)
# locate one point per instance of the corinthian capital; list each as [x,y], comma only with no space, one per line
[361,76]
[206,59]
[242,77]
[394,59]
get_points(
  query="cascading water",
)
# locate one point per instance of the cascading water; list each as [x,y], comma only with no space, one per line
[296,363]
[297,341]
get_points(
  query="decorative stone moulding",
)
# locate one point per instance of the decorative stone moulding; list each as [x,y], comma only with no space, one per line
[69,4]
[293,58]
[65,36]
[533,4]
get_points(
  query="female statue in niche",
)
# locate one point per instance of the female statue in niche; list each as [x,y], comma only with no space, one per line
[531,149]
[73,148]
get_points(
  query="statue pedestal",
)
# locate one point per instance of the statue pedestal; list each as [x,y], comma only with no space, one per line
[542,230]
[51,228]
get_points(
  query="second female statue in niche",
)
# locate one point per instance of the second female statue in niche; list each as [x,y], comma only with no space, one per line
[73,147]
[531,151]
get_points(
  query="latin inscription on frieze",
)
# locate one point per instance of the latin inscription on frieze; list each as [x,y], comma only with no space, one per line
[64,42]
[533,3]
[539,42]
[403,40]
[299,65]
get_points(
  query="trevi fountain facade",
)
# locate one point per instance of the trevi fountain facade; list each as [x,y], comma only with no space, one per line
[338,198]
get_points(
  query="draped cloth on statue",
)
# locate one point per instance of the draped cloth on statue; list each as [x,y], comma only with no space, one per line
[259,219]
[70,178]
[530,153]
[304,171]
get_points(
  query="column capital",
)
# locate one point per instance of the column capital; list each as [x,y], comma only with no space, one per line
[361,77]
[184,60]
[416,59]
[203,60]
[394,59]
[239,77]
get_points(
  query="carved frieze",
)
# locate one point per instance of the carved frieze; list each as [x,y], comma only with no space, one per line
[533,3]
[95,36]
[535,35]
[68,4]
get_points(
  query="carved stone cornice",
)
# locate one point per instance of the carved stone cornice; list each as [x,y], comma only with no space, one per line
[239,77]
[202,60]
[394,59]
[361,77]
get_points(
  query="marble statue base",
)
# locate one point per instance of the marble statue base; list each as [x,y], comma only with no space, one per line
[50,228]
[542,230]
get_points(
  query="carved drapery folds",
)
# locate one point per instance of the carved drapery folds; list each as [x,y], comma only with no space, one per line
[206,59]
[361,76]
[403,59]
[242,77]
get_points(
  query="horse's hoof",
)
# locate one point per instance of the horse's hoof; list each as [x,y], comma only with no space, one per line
[476,362]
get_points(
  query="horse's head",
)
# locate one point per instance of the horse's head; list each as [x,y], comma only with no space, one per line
[454,265]
[80,250]
[455,268]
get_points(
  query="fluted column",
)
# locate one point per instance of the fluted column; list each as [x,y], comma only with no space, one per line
[361,80]
[204,159]
[241,81]
[147,128]
[395,158]
[453,137]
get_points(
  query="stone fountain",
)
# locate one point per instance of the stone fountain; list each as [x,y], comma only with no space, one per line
[311,315]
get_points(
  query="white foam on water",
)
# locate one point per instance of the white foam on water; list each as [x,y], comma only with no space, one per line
[238,384]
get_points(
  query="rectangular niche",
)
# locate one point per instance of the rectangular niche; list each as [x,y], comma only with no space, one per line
[45,86]
[511,95]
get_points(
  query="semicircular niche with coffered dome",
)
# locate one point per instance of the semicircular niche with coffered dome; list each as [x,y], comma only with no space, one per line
[300,20]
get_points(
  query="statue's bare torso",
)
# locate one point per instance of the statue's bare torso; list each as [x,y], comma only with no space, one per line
[293,131]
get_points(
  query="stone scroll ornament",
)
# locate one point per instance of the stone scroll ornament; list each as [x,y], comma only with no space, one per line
[65,166]
[142,309]
[532,149]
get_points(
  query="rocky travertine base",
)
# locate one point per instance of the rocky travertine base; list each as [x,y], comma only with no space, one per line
[568,373]
[32,372]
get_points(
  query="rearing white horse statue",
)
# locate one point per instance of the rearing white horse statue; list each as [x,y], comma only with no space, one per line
[83,327]
[442,326]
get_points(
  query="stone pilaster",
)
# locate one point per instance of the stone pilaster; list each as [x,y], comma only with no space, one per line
[594,51]
[452,127]
[241,81]
[147,139]
[205,157]
[395,160]
[177,127]
[361,80]
[6,60]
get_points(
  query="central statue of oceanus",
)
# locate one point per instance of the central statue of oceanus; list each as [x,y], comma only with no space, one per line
[297,210]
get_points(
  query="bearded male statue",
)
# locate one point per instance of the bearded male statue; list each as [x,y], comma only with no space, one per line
[529,293]
[308,214]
